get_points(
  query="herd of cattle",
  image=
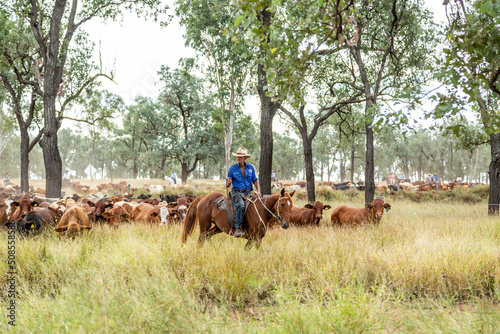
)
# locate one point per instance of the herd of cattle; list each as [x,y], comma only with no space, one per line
[408,186]
[29,214]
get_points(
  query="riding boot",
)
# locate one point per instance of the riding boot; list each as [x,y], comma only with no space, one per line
[239,233]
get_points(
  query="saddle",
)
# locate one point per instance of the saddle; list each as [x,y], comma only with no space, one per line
[224,203]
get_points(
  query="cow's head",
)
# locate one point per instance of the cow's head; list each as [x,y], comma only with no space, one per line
[101,206]
[317,208]
[377,207]
[115,215]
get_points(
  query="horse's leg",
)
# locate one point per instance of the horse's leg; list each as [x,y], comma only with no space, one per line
[213,231]
[205,222]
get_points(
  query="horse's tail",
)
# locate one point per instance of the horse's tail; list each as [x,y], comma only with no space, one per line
[190,220]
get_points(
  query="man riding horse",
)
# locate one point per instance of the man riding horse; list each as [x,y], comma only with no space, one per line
[241,175]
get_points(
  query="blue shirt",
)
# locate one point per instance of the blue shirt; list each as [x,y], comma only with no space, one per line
[173,176]
[435,178]
[238,181]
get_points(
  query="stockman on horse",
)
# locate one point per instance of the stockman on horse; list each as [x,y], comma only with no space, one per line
[252,214]
[241,175]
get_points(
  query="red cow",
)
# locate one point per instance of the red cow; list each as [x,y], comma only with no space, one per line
[302,184]
[73,221]
[100,207]
[3,212]
[310,214]
[179,208]
[21,207]
[115,215]
[349,215]
[146,213]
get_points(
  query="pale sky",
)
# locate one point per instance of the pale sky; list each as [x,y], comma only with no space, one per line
[136,49]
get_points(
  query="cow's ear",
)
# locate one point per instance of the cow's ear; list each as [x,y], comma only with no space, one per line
[387,206]
[34,203]
[292,193]
[13,204]
[61,229]
[89,213]
[326,207]
[154,214]
[308,206]
[90,203]
[282,192]
[370,206]
[107,214]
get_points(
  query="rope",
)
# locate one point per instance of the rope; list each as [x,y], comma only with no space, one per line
[257,211]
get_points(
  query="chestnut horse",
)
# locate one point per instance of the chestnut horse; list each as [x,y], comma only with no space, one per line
[257,217]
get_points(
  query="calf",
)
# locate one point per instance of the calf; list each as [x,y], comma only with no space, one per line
[100,206]
[349,215]
[310,214]
[146,213]
[179,208]
[73,221]
[34,221]
[21,207]
[115,215]
[3,213]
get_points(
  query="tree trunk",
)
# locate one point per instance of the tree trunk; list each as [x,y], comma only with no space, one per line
[342,169]
[353,156]
[308,164]
[494,172]
[25,160]
[184,173]
[268,110]
[50,148]
[452,175]
[369,169]
[135,170]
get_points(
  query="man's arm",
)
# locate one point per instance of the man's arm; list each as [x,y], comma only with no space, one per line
[257,188]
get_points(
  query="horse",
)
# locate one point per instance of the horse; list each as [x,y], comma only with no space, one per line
[257,217]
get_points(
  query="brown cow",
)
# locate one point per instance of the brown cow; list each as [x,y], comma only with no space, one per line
[73,221]
[302,184]
[115,215]
[325,184]
[3,213]
[310,214]
[145,213]
[100,206]
[21,207]
[349,215]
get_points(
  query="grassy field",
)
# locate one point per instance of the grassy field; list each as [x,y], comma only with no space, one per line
[428,268]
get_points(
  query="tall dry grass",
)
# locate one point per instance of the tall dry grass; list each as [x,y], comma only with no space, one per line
[426,268]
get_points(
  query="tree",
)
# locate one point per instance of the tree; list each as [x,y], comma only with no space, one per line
[186,114]
[389,42]
[17,58]
[54,26]
[472,69]
[210,30]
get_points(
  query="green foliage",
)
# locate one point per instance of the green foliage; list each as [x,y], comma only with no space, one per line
[186,115]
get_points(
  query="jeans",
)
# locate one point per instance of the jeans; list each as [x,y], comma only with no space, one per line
[239,205]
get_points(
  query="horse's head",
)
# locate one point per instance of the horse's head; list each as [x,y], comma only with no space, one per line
[283,207]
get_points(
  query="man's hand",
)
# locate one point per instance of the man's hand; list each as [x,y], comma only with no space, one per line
[228,182]
[258,193]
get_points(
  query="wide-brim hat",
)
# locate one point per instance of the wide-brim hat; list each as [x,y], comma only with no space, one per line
[241,152]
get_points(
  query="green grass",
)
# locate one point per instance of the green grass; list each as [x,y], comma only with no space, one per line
[425,269]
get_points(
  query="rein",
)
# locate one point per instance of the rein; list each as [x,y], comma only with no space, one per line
[272,214]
